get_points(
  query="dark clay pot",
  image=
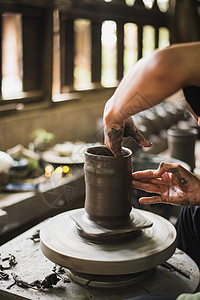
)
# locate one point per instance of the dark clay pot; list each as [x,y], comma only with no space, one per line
[181,144]
[108,182]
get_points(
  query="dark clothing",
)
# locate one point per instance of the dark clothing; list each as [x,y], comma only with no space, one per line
[188,240]
[188,224]
[188,232]
[192,96]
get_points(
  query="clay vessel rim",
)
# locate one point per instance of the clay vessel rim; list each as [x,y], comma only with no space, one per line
[182,132]
[127,152]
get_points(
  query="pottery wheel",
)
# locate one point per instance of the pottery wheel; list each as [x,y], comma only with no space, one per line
[96,232]
[61,244]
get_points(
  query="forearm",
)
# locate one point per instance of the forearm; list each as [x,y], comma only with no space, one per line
[154,78]
[150,81]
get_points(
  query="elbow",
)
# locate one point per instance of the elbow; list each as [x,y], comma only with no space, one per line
[167,66]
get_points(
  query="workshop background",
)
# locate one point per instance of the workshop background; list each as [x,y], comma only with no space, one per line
[60,61]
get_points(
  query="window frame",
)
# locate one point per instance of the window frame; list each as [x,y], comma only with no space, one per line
[97,12]
[38,83]
[36,59]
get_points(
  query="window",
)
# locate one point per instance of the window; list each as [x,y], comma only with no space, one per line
[148,40]
[109,53]
[11,56]
[130,46]
[82,58]
[56,54]
[163,37]
[88,46]
[25,63]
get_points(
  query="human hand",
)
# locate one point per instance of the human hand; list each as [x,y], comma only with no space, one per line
[114,135]
[173,184]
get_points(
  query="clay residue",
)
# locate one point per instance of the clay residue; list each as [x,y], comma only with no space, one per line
[181,179]
[115,139]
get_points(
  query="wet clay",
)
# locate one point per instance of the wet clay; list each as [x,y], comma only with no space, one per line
[181,179]
[61,244]
[108,215]
[108,183]
[108,236]
[113,137]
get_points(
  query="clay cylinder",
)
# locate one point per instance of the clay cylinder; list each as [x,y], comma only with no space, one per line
[108,182]
[181,144]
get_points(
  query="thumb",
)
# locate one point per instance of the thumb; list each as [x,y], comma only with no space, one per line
[131,130]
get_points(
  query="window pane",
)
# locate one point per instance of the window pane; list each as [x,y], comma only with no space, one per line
[130,46]
[11,56]
[163,5]
[109,53]
[148,40]
[148,3]
[163,37]
[56,53]
[130,2]
[82,71]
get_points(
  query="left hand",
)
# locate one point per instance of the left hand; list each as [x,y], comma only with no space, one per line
[173,184]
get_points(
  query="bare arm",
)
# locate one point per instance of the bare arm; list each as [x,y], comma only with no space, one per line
[150,81]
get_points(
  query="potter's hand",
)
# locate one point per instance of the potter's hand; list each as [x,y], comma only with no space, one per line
[115,132]
[173,184]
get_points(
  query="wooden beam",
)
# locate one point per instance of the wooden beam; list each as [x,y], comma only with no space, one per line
[156,37]
[120,50]
[33,45]
[67,52]
[140,41]
[96,51]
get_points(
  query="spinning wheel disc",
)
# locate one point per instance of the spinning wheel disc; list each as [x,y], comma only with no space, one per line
[61,244]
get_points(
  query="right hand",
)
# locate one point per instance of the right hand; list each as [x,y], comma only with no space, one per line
[114,135]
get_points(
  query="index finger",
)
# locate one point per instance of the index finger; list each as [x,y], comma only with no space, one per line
[147,174]
[131,130]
